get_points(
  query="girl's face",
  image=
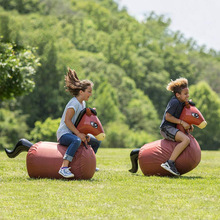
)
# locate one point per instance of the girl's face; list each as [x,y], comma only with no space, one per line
[183,96]
[87,93]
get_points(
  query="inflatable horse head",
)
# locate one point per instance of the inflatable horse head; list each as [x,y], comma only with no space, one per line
[152,155]
[192,116]
[88,122]
[45,158]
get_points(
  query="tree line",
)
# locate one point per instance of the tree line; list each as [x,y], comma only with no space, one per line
[130,63]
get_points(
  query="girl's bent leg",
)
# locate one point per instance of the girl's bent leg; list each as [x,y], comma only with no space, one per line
[184,142]
[73,142]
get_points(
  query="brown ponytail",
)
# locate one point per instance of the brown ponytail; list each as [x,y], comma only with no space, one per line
[74,85]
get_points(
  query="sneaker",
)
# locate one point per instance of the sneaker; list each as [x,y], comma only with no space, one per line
[170,167]
[96,169]
[65,172]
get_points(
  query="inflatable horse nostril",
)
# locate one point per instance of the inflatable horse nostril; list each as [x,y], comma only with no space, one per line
[202,125]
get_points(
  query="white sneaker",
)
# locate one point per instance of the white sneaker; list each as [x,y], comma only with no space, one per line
[96,169]
[65,172]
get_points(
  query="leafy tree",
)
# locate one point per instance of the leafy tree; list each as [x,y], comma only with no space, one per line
[22,6]
[45,131]
[106,103]
[177,63]
[139,138]
[17,67]
[4,28]
[12,128]
[155,88]
[117,135]
[208,102]
[59,8]
[206,68]
[141,115]
[126,92]
[104,44]
[43,102]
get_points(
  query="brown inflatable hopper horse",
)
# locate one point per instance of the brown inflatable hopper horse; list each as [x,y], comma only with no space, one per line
[45,158]
[152,155]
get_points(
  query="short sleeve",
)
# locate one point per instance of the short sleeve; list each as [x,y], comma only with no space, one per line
[172,106]
[73,104]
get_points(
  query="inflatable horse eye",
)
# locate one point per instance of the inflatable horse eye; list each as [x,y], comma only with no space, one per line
[45,158]
[195,115]
[94,125]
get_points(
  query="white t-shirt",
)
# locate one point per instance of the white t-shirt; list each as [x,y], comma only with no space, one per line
[78,107]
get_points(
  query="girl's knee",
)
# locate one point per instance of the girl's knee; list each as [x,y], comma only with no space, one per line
[78,141]
[187,140]
[75,143]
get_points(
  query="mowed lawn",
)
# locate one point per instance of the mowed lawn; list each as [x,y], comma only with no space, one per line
[112,193]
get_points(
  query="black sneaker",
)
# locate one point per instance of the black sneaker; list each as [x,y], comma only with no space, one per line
[170,167]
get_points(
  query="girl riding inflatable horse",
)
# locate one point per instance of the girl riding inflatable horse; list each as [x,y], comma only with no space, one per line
[44,158]
[163,153]
[68,134]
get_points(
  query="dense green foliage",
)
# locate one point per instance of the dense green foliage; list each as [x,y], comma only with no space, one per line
[130,63]
[12,127]
[45,131]
[17,67]
[209,104]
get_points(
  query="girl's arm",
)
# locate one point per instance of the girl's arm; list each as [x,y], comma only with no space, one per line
[174,120]
[69,115]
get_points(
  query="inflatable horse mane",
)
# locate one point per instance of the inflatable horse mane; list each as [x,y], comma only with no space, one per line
[152,155]
[45,158]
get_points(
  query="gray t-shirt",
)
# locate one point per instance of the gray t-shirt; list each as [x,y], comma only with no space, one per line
[78,107]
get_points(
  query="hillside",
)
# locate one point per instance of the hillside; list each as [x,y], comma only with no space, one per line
[130,63]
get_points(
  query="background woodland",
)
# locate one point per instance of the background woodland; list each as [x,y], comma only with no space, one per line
[130,63]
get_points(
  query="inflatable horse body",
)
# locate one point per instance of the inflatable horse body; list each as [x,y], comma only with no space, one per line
[45,158]
[152,155]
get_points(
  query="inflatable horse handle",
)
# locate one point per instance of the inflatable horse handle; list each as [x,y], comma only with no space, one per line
[151,155]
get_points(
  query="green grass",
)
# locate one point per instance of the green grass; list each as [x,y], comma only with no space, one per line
[112,193]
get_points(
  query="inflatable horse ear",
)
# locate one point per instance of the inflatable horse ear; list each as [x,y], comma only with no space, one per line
[45,158]
[152,155]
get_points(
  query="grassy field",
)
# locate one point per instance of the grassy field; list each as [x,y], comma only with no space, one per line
[112,193]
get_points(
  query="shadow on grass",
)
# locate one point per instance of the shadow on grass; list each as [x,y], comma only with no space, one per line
[192,177]
[170,177]
[62,179]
